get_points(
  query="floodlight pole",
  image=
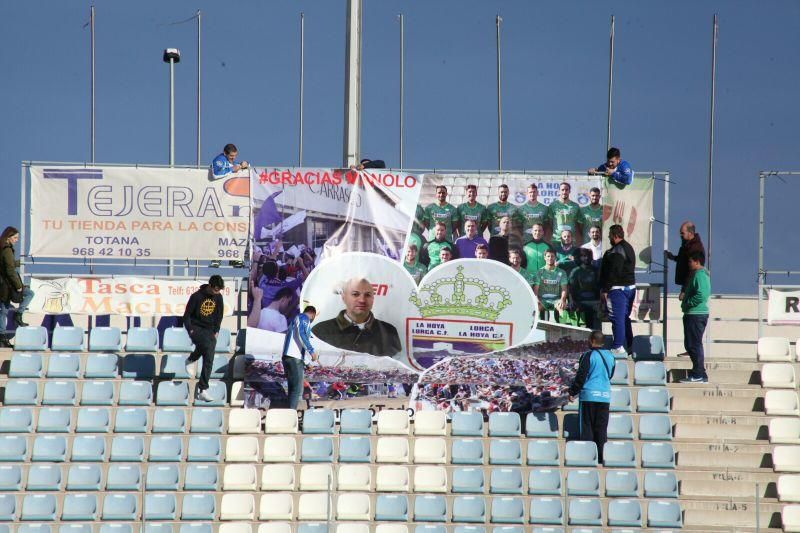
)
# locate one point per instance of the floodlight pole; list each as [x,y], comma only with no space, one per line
[715,29]
[91,32]
[610,82]
[199,17]
[352,85]
[498,20]
[302,86]
[402,83]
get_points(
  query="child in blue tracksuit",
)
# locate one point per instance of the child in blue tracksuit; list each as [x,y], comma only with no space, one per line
[295,345]
[592,385]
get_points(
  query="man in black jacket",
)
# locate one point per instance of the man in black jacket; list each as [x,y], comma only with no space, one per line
[690,242]
[202,319]
[618,288]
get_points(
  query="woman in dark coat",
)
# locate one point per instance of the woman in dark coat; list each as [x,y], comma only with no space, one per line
[11,287]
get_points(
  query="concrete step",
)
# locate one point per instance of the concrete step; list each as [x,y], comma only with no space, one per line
[720,433]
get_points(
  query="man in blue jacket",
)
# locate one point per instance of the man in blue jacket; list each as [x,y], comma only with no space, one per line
[592,385]
[225,163]
[295,345]
[617,170]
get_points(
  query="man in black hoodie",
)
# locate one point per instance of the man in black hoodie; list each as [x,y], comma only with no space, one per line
[202,319]
[618,288]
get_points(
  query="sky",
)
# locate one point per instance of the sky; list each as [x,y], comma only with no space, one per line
[555,73]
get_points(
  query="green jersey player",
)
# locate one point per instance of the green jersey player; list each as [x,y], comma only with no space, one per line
[535,249]
[501,208]
[412,266]
[530,213]
[472,210]
[441,211]
[515,262]
[592,214]
[551,287]
[563,212]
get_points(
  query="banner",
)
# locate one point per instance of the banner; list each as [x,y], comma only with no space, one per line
[117,296]
[137,213]
[632,208]
[783,307]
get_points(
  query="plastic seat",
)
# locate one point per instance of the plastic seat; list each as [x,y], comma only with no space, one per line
[35,528]
[648,347]
[393,422]
[505,452]
[88,448]
[79,507]
[44,478]
[778,376]
[656,427]
[658,455]
[580,453]
[543,453]
[284,527]
[207,528]
[200,477]
[97,393]
[11,478]
[21,392]
[392,478]
[101,365]
[204,449]
[505,481]
[13,448]
[130,420]
[139,366]
[768,349]
[620,400]
[54,420]
[622,483]
[206,420]
[25,365]
[281,421]
[68,339]
[93,420]
[355,421]
[789,488]
[16,420]
[165,449]
[59,393]
[352,528]
[104,528]
[120,507]
[160,506]
[158,527]
[49,449]
[430,450]
[313,506]
[142,340]
[620,426]
[316,477]
[430,479]
[172,393]
[619,454]
[430,508]
[177,340]
[664,514]
[624,513]
[467,480]
[218,392]
[8,507]
[421,528]
[653,400]
[169,420]
[583,483]
[199,507]
[126,448]
[544,481]
[276,506]
[162,477]
[105,339]
[504,424]
[31,338]
[302,528]
[244,449]
[173,366]
[432,423]
[123,477]
[223,341]
[354,477]
[354,450]
[660,485]
[584,512]
[277,449]
[469,509]
[649,373]
[84,477]
[391,508]
[541,425]
[135,393]
[621,376]
[507,510]
[392,450]
[467,424]
[318,421]
[239,477]
[244,421]
[353,506]
[38,507]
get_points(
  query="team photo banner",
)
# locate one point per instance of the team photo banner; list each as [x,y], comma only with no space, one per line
[137,213]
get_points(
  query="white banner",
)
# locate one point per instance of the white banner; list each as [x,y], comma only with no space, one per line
[783,308]
[118,296]
[129,212]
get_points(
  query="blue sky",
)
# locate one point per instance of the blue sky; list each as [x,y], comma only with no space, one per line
[554,94]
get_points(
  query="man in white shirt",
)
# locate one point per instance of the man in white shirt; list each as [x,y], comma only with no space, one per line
[595,244]
[273,317]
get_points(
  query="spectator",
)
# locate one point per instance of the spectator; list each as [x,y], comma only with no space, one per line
[472,210]
[566,252]
[591,215]
[515,256]
[563,211]
[618,288]
[273,317]
[530,213]
[592,386]
[465,245]
[295,345]
[444,212]
[498,244]
[202,319]
[371,163]
[618,171]
[584,291]
[482,251]
[412,266]
[500,209]
[551,287]
[595,245]
[431,249]
[11,288]
[695,316]
[690,242]
[225,163]
[535,249]
[276,277]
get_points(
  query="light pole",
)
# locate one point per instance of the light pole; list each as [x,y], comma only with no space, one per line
[172,56]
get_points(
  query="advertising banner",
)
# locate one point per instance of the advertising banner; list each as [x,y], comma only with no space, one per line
[783,307]
[137,213]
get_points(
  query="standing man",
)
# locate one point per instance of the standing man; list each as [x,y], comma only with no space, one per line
[202,319]
[295,345]
[695,316]
[591,215]
[431,249]
[472,210]
[595,245]
[690,243]
[584,291]
[501,208]
[618,288]
[498,244]
[615,169]
[530,213]
[563,211]
[442,212]
[225,163]
[535,249]
[551,287]
[465,245]
[412,266]
[592,386]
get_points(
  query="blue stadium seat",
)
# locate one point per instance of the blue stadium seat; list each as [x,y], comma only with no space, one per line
[173,366]
[312,528]
[162,477]
[505,452]
[60,393]
[54,420]
[63,365]
[649,373]
[318,421]
[218,392]
[88,448]
[543,453]
[354,450]
[546,510]
[467,480]
[130,420]
[505,481]
[84,477]
[105,339]
[49,449]
[25,365]
[583,483]
[428,528]
[172,393]
[79,507]
[202,449]
[31,338]
[664,514]
[620,400]
[93,420]
[139,366]
[621,483]
[20,392]
[38,508]
[541,425]
[68,339]
[658,455]
[165,449]
[580,453]
[120,507]
[142,340]
[585,512]
[316,450]
[624,513]
[355,421]
[430,509]
[44,478]
[97,393]
[34,528]
[124,477]
[127,448]
[466,424]
[108,528]
[223,341]
[508,529]
[466,452]
[507,510]
[655,427]
[619,454]
[200,477]
[195,528]
[101,365]
[206,420]
[169,420]
[16,420]
[10,478]
[13,448]
[544,482]
[8,507]
[653,400]
[135,393]
[177,340]
[198,507]
[620,376]
[660,485]
[648,347]
[158,527]
[391,507]
[219,368]
[470,509]
[160,506]
[506,424]
[620,426]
